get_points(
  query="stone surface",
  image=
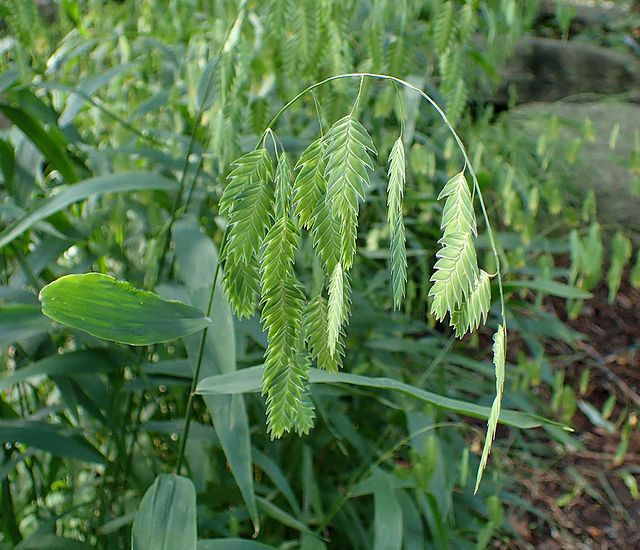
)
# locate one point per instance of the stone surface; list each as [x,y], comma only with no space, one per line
[543,69]
[599,167]
[587,13]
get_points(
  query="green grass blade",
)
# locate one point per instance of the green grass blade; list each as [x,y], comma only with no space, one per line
[248,381]
[552,288]
[387,514]
[232,544]
[19,321]
[68,364]
[42,139]
[112,183]
[196,260]
[51,438]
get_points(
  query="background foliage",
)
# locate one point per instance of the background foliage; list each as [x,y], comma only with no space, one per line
[120,123]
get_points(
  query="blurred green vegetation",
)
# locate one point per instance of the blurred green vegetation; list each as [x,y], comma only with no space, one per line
[119,122]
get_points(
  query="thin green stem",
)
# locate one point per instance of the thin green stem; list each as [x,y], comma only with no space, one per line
[200,357]
[194,182]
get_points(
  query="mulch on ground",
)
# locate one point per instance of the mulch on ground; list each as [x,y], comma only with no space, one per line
[582,491]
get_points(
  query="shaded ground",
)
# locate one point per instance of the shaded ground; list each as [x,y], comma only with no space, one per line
[582,492]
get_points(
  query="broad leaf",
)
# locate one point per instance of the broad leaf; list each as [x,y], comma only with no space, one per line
[166,518]
[116,311]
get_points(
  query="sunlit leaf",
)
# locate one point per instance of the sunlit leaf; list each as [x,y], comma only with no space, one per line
[116,311]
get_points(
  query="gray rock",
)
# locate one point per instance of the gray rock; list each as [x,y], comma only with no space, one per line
[599,166]
[543,69]
[587,13]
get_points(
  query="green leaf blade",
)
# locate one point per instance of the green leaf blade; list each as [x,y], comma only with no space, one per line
[18,321]
[197,260]
[116,311]
[387,514]
[248,381]
[166,518]
[113,183]
[51,438]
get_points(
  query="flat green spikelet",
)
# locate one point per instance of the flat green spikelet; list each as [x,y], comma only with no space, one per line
[594,257]
[336,309]
[283,179]
[242,286]
[620,255]
[305,415]
[457,214]
[310,186]
[455,271]
[499,359]
[326,236]
[285,374]
[444,26]
[395,191]
[316,335]
[285,377]
[348,160]
[254,166]
[248,200]
[475,308]
[279,252]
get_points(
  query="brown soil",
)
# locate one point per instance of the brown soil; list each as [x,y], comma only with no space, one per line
[581,492]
